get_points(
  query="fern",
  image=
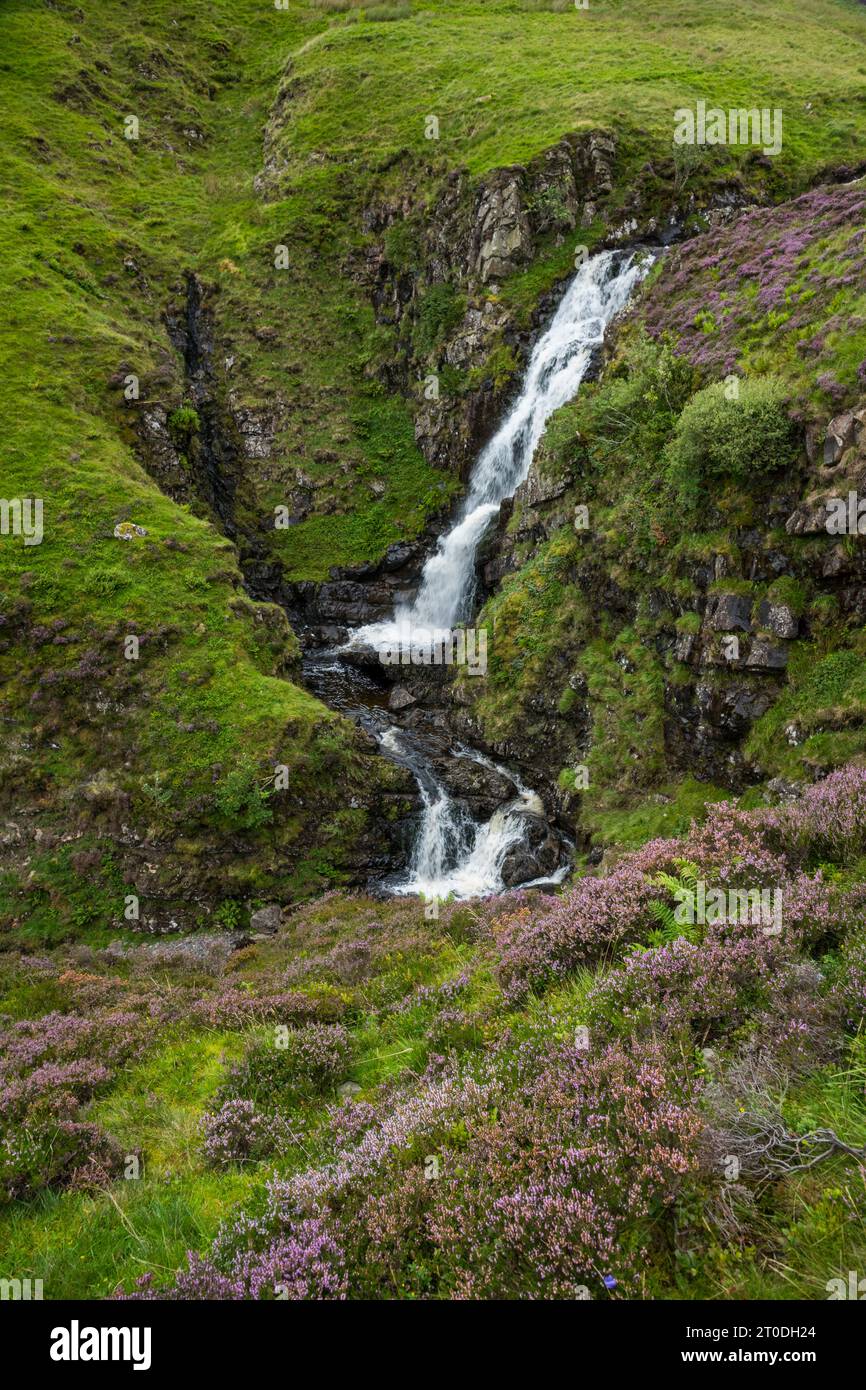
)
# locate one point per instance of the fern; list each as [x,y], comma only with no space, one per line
[684,889]
[668,924]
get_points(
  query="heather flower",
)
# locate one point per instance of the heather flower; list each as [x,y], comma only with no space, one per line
[852,983]
[239,1133]
[775,271]
[756,849]
[306,1060]
[305,1265]
[233,1008]
[568,1155]
[56,1151]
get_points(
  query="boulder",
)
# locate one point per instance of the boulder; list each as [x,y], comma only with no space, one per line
[841,433]
[483,787]
[267,920]
[400,698]
[537,854]
[128,530]
[779,790]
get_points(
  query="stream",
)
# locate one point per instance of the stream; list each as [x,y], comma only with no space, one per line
[454,855]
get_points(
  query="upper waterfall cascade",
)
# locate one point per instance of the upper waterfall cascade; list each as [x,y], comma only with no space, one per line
[559,361]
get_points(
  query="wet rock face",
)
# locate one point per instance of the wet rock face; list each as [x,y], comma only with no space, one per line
[450,431]
[480,787]
[213,452]
[538,853]
[324,613]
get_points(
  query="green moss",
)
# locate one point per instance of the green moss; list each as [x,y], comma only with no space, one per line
[791,592]
[74,890]
[689,623]
[626,690]
[529,620]
[820,715]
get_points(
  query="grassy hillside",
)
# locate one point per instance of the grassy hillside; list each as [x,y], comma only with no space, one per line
[576,1065]
[509,78]
[99,232]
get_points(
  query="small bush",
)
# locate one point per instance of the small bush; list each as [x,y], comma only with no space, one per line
[739,440]
[184,423]
[242,800]
[440,311]
[56,1152]
[625,420]
[239,1133]
[312,1061]
[401,245]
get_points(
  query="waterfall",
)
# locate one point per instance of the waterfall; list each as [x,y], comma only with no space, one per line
[556,368]
[450,855]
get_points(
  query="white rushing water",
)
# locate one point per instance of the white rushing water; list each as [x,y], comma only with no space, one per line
[556,368]
[451,855]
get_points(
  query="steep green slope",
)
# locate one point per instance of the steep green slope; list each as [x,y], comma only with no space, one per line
[181,744]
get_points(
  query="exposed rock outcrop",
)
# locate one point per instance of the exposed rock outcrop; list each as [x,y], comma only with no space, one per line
[472,237]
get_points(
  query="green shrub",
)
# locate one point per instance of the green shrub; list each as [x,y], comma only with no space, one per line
[242,800]
[440,310]
[183,423]
[738,440]
[630,415]
[229,914]
[462,925]
[401,246]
